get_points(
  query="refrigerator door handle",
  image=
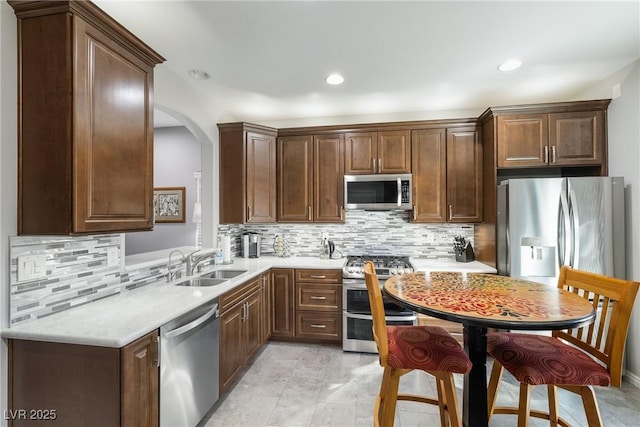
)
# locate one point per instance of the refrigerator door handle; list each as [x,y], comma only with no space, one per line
[575,235]
[564,228]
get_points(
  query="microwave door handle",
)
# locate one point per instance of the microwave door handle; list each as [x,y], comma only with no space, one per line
[399,192]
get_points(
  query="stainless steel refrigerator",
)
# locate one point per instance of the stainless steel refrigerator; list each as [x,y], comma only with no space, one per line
[544,223]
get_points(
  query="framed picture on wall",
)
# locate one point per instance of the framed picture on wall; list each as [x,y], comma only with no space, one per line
[168,204]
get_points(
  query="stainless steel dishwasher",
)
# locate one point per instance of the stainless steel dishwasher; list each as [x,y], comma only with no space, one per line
[189,366]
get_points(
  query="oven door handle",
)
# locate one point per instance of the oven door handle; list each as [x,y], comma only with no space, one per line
[392,318]
[347,288]
[401,318]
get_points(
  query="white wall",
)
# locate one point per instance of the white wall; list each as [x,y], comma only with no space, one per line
[624,158]
[176,156]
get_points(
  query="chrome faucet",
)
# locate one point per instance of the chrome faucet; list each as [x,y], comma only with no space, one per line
[171,274]
[193,260]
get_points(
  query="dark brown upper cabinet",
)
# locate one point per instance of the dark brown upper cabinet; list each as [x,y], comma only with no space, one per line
[310,178]
[447,175]
[85,131]
[247,173]
[386,151]
[557,137]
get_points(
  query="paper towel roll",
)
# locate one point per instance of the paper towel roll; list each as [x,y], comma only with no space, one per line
[226,249]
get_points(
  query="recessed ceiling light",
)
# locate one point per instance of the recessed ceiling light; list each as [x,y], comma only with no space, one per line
[335,79]
[510,65]
[198,74]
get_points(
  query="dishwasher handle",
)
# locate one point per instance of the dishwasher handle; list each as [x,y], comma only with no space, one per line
[193,324]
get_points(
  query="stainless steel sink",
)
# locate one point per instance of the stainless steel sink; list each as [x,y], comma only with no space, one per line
[224,274]
[202,281]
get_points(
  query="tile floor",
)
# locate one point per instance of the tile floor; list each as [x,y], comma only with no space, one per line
[293,384]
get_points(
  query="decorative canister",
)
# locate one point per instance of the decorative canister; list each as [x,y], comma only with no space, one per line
[281,245]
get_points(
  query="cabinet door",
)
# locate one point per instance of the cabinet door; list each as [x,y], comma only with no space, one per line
[328,178]
[266,307]
[282,320]
[360,153]
[523,140]
[576,138]
[113,164]
[295,179]
[429,166]
[231,345]
[253,325]
[140,379]
[394,152]
[464,175]
[261,178]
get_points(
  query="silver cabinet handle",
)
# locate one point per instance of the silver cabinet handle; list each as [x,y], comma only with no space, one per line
[309,213]
[373,165]
[315,297]
[553,154]
[546,154]
[156,340]
[414,212]
[318,276]
[450,212]
[379,165]
[318,326]
[248,213]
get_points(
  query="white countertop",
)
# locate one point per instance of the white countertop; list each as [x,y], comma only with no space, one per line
[429,265]
[118,320]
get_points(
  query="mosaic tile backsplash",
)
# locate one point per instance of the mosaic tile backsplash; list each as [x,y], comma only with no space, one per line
[76,273]
[364,232]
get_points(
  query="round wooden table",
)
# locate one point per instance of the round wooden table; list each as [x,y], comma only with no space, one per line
[481,301]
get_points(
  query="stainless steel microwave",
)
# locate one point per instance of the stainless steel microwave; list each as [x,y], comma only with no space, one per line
[378,192]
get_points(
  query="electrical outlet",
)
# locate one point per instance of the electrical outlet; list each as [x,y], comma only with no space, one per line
[112,256]
[32,267]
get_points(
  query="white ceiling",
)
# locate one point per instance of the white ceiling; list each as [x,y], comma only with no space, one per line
[268,59]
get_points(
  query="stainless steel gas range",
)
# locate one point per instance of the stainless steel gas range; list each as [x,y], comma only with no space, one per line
[357,324]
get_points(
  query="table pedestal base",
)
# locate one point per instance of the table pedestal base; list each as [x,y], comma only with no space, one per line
[475,382]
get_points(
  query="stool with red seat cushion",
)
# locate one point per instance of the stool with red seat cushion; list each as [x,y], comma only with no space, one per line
[574,360]
[403,349]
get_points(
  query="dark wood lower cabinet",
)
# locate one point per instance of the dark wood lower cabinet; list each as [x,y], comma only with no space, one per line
[266,306]
[318,305]
[241,330]
[282,290]
[307,305]
[140,383]
[69,385]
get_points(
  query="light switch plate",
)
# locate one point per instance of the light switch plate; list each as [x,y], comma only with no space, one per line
[32,267]
[113,256]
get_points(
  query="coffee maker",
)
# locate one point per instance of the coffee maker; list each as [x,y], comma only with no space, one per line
[251,245]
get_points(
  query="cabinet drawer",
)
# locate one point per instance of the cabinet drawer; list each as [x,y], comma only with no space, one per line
[238,294]
[319,325]
[319,276]
[318,297]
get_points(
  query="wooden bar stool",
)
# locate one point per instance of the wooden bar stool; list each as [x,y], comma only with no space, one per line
[575,359]
[403,349]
